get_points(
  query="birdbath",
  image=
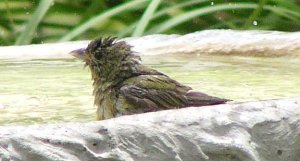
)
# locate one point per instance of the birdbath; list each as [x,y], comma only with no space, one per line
[44,86]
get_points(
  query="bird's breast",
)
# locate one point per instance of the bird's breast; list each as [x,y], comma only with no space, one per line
[105,102]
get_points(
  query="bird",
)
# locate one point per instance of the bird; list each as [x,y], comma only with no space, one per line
[124,86]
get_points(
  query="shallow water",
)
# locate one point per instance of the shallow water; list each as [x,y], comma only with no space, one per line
[49,91]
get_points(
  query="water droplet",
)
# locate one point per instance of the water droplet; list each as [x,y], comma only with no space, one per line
[212,3]
[254,23]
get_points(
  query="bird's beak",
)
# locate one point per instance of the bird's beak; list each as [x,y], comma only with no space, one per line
[78,53]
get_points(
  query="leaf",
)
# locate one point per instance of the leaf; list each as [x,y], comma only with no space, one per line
[28,34]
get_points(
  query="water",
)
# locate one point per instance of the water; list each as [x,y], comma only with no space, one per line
[50,91]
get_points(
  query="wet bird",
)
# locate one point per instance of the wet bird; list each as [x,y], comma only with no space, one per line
[123,86]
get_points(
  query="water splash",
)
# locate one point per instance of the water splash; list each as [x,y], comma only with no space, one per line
[254,23]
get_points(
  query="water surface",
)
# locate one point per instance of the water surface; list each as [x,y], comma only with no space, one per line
[50,91]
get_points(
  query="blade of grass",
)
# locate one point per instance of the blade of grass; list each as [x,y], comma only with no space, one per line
[284,12]
[9,15]
[127,30]
[287,4]
[140,28]
[27,35]
[160,13]
[198,12]
[254,14]
[286,15]
[102,17]
[206,10]
[178,6]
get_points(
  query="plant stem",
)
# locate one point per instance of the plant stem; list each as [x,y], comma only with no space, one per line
[27,35]
[148,14]
[254,14]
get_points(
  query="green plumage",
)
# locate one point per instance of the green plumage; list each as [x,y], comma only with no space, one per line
[122,85]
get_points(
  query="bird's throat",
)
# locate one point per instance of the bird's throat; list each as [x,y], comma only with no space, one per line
[105,97]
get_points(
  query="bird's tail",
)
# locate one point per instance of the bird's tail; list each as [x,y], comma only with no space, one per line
[201,99]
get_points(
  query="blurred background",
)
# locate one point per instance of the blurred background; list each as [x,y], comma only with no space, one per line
[42,21]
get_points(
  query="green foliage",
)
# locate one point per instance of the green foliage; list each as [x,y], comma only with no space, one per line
[27,35]
[148,14]
[33,21]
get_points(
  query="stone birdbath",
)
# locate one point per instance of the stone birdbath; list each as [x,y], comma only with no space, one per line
[248,130]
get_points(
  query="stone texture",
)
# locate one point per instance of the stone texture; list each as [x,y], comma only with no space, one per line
[221,42]
[252,131]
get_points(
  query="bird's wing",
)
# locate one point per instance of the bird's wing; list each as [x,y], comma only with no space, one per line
[154,92]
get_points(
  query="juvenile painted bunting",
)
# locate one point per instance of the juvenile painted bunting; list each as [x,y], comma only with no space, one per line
[122,85]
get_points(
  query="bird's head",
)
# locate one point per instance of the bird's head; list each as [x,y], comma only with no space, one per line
[108,58]
[101,50]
